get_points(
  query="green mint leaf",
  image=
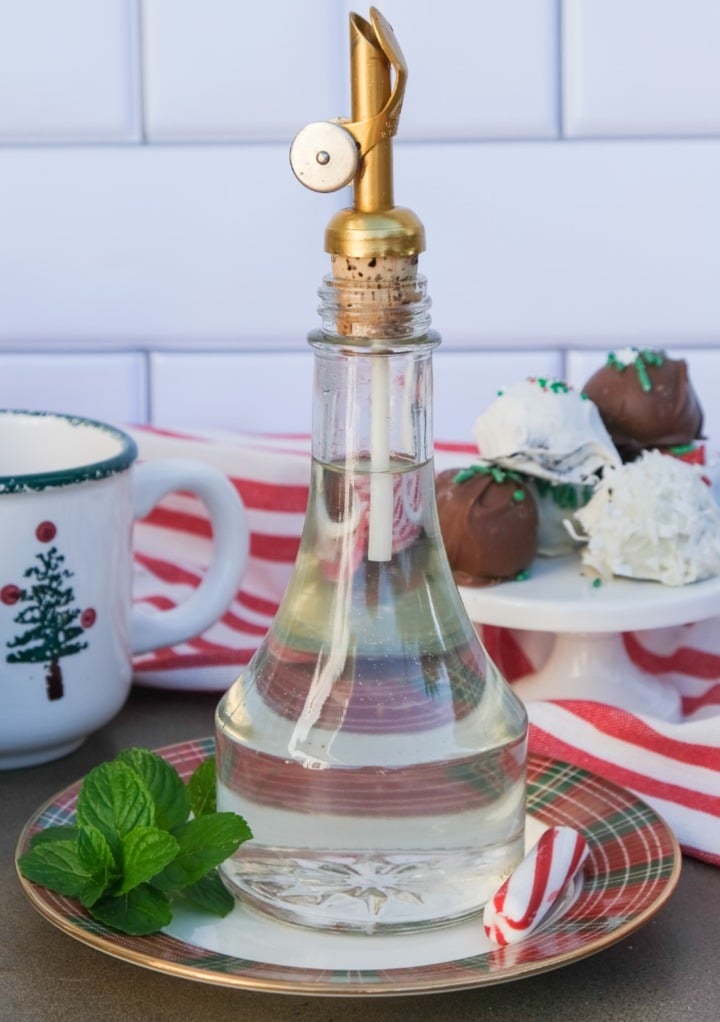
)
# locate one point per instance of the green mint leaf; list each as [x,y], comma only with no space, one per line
[202,788]
[97,859]
[114,799]
[145,852]
[204,843]
[172,805]
[133,842]
[65,833]
[57,865]
[210,894]
[141,911]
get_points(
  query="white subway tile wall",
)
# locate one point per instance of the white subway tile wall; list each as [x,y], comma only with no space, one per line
[570,244]
[215,389]
[110,386]
[70,71]
[156,245]
[641,67]
[159,262]
[224,70]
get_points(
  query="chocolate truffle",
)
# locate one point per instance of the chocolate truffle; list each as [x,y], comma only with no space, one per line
[489,524]
[646,400]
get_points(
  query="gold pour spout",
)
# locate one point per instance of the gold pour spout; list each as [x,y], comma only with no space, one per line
[376,106]
[328,155]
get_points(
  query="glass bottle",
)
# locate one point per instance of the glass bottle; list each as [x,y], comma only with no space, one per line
[373,747]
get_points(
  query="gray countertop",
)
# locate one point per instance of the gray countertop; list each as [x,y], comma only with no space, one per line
[668,970]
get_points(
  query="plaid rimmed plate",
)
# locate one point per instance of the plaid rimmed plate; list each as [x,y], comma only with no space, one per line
[631,871]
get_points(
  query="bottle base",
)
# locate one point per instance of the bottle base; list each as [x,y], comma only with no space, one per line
[364,893]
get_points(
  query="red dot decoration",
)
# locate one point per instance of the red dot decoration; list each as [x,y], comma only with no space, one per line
[88,617]
[46,531]
[10,593]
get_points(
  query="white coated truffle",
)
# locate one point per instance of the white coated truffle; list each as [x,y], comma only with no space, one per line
[544,428]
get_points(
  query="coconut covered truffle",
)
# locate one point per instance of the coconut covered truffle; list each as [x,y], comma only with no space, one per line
[652,518]
[646,400]
[489,524]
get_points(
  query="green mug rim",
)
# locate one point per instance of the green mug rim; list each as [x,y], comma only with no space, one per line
[19,482]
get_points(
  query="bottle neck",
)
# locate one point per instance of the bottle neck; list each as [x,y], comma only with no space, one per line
[372,401]
[373,305]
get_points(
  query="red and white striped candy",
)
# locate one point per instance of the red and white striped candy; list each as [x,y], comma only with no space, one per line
[531,890]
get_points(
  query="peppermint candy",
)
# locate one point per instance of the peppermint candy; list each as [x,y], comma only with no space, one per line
[528,894]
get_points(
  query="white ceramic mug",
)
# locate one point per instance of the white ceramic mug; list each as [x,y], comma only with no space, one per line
[69,494]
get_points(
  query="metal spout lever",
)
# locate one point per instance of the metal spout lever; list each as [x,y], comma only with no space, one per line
[328,155]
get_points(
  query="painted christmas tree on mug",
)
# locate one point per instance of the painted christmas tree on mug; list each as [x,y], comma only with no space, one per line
[49,615]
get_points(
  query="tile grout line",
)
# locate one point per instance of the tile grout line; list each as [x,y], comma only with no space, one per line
[139,44]
[149,389]
[559,73]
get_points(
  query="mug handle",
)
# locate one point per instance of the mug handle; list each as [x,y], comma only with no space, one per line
[153,480]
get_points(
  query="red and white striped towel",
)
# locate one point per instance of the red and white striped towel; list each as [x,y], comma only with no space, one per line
[673,765]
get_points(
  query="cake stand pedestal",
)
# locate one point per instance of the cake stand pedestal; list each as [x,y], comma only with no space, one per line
[588,659]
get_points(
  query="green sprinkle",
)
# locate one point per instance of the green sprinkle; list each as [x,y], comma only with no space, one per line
[498,475]
[641,360]
[679,449]
[597,582]
[614,361]
[522,576]
[519,495]
[645,383]
[545,383]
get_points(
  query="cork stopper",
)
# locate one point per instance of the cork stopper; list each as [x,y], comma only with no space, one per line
[375,294]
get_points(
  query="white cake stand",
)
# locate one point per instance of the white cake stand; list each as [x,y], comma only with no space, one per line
[588,658]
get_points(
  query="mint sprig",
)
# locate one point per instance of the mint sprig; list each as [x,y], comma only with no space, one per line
[142,838]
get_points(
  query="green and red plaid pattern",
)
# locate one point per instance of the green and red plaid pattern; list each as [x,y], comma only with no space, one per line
[632,869]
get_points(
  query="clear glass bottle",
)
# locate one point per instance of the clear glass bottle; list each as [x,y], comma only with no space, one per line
[372,746]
